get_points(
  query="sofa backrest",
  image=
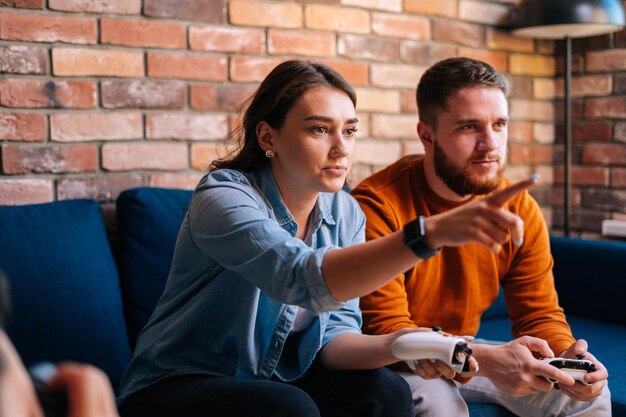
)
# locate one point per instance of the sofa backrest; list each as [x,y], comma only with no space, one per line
[148,220]
[65,294]
[590,277]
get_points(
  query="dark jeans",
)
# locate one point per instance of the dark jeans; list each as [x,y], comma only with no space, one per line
[376,393]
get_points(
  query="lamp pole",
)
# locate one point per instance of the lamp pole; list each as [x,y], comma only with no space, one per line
[568,136]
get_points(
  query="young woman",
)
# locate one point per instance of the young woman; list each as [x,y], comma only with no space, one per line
[260,314]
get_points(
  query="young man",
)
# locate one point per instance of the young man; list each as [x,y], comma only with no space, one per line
[463,126]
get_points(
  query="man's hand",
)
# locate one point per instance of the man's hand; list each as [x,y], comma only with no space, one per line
[428,369]
[513,368]
[582,392]
[88,390]
[485,222]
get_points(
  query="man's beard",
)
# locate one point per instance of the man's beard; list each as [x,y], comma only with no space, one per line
[460,179]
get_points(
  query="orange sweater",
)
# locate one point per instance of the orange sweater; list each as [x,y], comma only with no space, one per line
[453,288]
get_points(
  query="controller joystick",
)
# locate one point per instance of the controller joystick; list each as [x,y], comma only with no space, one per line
[452,350]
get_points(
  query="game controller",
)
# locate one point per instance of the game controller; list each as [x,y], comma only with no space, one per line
[576,368]
[53,402]
[452,350]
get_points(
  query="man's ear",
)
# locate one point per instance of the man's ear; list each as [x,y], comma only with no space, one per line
[265,136]
[426,135]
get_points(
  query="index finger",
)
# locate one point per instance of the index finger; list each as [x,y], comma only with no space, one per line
[553,373]
[500,198]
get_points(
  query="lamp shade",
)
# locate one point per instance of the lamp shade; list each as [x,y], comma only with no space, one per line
[558,19]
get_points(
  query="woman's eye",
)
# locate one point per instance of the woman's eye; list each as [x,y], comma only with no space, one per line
[320,130]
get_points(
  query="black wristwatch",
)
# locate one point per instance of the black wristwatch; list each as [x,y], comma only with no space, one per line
[414,233]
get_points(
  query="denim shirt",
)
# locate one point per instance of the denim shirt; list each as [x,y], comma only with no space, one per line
[237,279]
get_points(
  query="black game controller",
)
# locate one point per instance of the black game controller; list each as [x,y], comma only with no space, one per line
[53,401]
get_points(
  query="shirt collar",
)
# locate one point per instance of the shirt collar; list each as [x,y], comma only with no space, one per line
[266,182]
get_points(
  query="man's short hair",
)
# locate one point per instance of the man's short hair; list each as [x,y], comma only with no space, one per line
[446,77]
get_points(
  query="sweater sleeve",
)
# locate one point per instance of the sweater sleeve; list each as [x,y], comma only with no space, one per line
[529,284]
[385,310]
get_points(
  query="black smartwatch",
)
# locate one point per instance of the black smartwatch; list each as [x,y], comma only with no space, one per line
[414,234]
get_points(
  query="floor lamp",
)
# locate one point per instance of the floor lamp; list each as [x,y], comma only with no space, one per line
[567,19]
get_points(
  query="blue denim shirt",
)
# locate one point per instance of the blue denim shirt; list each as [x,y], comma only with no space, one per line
[237,275]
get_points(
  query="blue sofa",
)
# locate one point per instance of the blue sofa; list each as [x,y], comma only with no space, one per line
[81,292]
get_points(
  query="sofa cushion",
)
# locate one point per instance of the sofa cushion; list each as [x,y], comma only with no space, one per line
[148,220]
[66,301]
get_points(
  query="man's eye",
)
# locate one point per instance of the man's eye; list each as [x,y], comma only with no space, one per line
[351,131]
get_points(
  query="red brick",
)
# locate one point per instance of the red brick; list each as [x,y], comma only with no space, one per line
[377,152]
[186,126]
[543,88]
[584,176]
[534,110]
[535,65]
[401,26]
[209,11]
[388,5]
[203,154]
[407,102]
[503,40]
[15,192]
[265,14]
[97,6]
[244,69]
[336,19]
[605,108]
[413,147]
[147,94]
[23,4]
[422,53]
[604,154]
[466,34]
[97,62]
[178,181]
[78,127]
[520,131]
[18,59]
[446,8]
[590,131]
[398,76]
[368,48]
[609,200]
[157,156]
[521,86]
[103,188]
[226,39]
[226,97]
[376,100]
[356,73]
[498,60]
[143,33]
[481,12]
[620,132]
[587,85]
[610,60]
[291,42]
[27,127]
[187,67]
[37,28]
[29,93]
[618,177]
[530,154]
[394,126]
[364,125]
[21,159]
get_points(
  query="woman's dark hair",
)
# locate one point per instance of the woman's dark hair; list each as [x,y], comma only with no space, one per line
[271,102]
[446,77]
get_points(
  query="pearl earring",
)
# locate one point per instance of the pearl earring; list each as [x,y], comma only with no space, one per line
[269,153]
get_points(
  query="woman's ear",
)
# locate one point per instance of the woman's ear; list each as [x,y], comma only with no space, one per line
[265,136]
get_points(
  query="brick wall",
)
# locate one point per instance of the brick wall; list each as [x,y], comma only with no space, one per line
[101,95]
